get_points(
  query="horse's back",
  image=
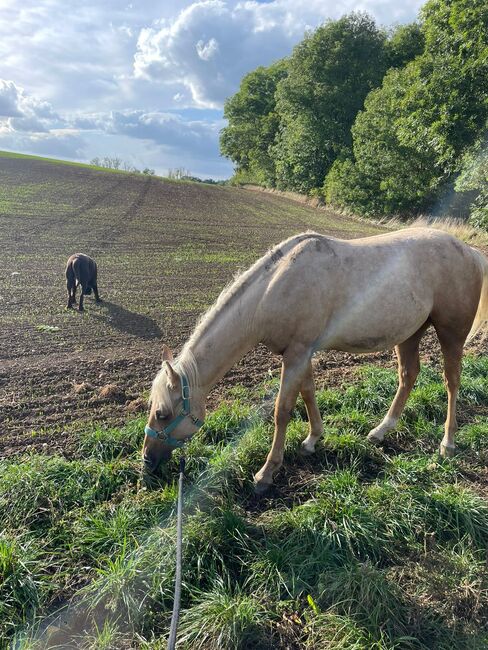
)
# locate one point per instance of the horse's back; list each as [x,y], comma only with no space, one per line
[370,293]
[82,267]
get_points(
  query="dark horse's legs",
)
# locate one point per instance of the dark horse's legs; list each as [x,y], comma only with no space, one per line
[83,292]
[95,291]
[71,287]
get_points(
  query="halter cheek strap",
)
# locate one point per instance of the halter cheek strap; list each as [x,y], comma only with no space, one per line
[165,434]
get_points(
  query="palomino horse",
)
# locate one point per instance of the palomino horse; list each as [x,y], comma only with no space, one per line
[311,293]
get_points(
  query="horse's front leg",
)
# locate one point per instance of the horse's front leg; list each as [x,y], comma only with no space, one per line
[295,364]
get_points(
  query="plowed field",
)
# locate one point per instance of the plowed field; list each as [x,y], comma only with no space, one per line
[164,250]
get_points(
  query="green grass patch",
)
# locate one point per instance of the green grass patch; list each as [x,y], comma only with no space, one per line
[359,547]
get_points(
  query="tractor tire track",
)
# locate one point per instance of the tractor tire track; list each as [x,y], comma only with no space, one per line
[95,201]
[124,222]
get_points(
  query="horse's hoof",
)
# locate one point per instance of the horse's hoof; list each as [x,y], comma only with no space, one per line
[261,488]
[447,451]
[305,451]
[374,439]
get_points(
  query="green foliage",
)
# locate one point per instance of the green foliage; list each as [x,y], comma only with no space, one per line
[109,444]
[225,617]
[387,175]
[331,630]
[329,74]
[408,140]
[364,593]
[474,179]
[19,586]
[404,44]
[253,123]
[41,490]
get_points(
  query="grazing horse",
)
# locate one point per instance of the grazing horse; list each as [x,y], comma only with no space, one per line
[311,293]
[81,270]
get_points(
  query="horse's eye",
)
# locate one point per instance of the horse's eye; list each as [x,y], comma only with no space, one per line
[161,415]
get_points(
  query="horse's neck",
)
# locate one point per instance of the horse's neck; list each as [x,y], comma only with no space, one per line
[221,344]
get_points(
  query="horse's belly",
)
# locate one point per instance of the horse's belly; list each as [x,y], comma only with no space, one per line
[372,332]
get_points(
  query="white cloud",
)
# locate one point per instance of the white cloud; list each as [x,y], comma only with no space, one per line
[9,99]
[197,138]
[33,126]
[20,111]
[207,50]
[211,44]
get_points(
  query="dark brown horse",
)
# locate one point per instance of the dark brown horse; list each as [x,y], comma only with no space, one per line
[81,270]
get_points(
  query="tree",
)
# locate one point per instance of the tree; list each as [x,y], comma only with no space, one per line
[405,42]
[253,123]
[474,179]
[410,138]
[329,74]
[449,101]
[387,176]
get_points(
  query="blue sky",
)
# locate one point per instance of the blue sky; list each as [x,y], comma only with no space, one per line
[144,80]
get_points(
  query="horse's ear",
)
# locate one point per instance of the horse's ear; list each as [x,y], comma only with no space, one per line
[166,354]
[172,375]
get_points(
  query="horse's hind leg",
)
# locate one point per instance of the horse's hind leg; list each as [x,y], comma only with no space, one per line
[452,351]
[70,297]
[70,286]
[95,291]
[408,369]
[80,306]
[296,362]
[307,391]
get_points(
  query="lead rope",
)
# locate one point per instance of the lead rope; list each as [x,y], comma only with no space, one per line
[179,538]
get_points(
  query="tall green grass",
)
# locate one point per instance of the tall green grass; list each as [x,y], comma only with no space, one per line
[356,547]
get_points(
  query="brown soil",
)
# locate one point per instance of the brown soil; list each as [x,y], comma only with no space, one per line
[164,251]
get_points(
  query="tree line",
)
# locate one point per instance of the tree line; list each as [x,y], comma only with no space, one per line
[375,121]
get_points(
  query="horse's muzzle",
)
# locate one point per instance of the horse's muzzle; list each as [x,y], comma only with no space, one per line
[151,472]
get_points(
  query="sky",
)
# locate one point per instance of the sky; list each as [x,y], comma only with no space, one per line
[145,80]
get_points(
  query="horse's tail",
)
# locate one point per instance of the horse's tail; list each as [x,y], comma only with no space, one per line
[481,319]
[70,275]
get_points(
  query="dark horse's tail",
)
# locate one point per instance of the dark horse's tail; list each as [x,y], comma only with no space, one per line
[70,275]
[77,274]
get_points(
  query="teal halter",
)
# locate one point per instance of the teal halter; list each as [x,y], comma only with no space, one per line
[165,434]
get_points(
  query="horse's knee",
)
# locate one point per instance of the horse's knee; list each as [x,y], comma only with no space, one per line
[283,413]
[407,377]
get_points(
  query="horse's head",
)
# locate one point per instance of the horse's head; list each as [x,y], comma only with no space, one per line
[172,416]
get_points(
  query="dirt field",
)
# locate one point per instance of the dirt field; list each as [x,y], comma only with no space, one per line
[164,250]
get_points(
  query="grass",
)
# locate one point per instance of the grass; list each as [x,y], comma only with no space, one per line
[22,156]
[356,548]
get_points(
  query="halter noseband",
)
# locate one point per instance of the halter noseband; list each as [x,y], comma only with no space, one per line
[165,434]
